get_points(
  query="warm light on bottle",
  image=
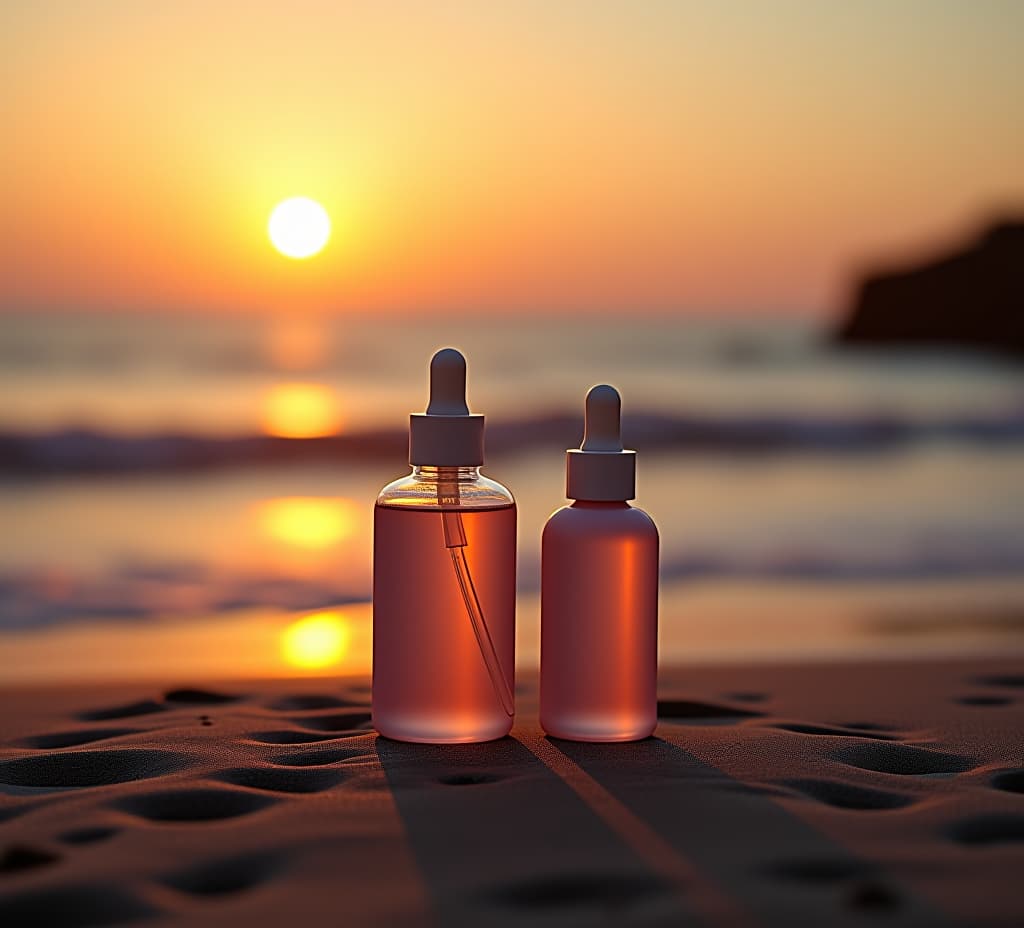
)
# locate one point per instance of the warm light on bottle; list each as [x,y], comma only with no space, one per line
[444,555]
[599,594]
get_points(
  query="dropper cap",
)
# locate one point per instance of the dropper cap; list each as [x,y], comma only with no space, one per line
[447,434]
[600,470]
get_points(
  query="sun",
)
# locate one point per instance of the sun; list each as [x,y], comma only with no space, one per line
[299,227]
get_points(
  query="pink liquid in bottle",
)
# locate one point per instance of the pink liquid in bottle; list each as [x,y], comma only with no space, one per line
[444,578]
[430,679]
[599,623]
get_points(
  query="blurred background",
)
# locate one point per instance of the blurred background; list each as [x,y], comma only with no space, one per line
[790,233]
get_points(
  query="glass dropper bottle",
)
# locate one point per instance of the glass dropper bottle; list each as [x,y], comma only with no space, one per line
[444,580]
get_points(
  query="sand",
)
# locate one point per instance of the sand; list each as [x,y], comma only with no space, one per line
[839,794]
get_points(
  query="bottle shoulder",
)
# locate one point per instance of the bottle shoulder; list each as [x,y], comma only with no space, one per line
[439,491]
[593,521]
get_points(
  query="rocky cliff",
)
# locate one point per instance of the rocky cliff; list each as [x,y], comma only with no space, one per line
[973,297]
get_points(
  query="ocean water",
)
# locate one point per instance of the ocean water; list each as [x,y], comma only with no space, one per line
[151,472]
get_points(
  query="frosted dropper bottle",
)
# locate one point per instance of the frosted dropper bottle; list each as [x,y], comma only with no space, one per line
[444,580]
[599,593]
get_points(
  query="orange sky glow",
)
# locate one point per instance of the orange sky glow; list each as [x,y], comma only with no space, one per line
[534,157]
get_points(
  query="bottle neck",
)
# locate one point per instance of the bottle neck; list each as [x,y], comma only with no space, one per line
[445,474]
[599,504]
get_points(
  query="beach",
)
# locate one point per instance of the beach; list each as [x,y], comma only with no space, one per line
[275,276]
[819,793]
[185,732]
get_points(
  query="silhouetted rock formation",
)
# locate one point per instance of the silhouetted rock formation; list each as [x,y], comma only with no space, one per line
[974,297]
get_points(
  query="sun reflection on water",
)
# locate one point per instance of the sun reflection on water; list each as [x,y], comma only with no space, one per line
[316,641]
[310,522]
[301,410]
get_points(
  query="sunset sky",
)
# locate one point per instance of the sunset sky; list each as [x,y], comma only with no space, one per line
[527,156]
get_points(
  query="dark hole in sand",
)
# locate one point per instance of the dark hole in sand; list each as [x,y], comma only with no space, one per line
[874,897]
[194,805]
[20,857]
[308,701]
[984,700]
[849,796]
[1013,680]
[688,711]
[339,722]
[318,758]
[225,877]
[289,736]
[748,696]
[468,779]
[902,760]
[89,768]
[603,892]
[73,907]
[806,728]
[192,697]
[88,835]
[1012,781]
[282,780]
[143,707]
[312,736]
[988,829]
[817,870]
[745,789]
[70,739]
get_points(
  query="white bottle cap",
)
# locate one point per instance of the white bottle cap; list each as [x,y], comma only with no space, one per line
[600,470]
[447,434]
